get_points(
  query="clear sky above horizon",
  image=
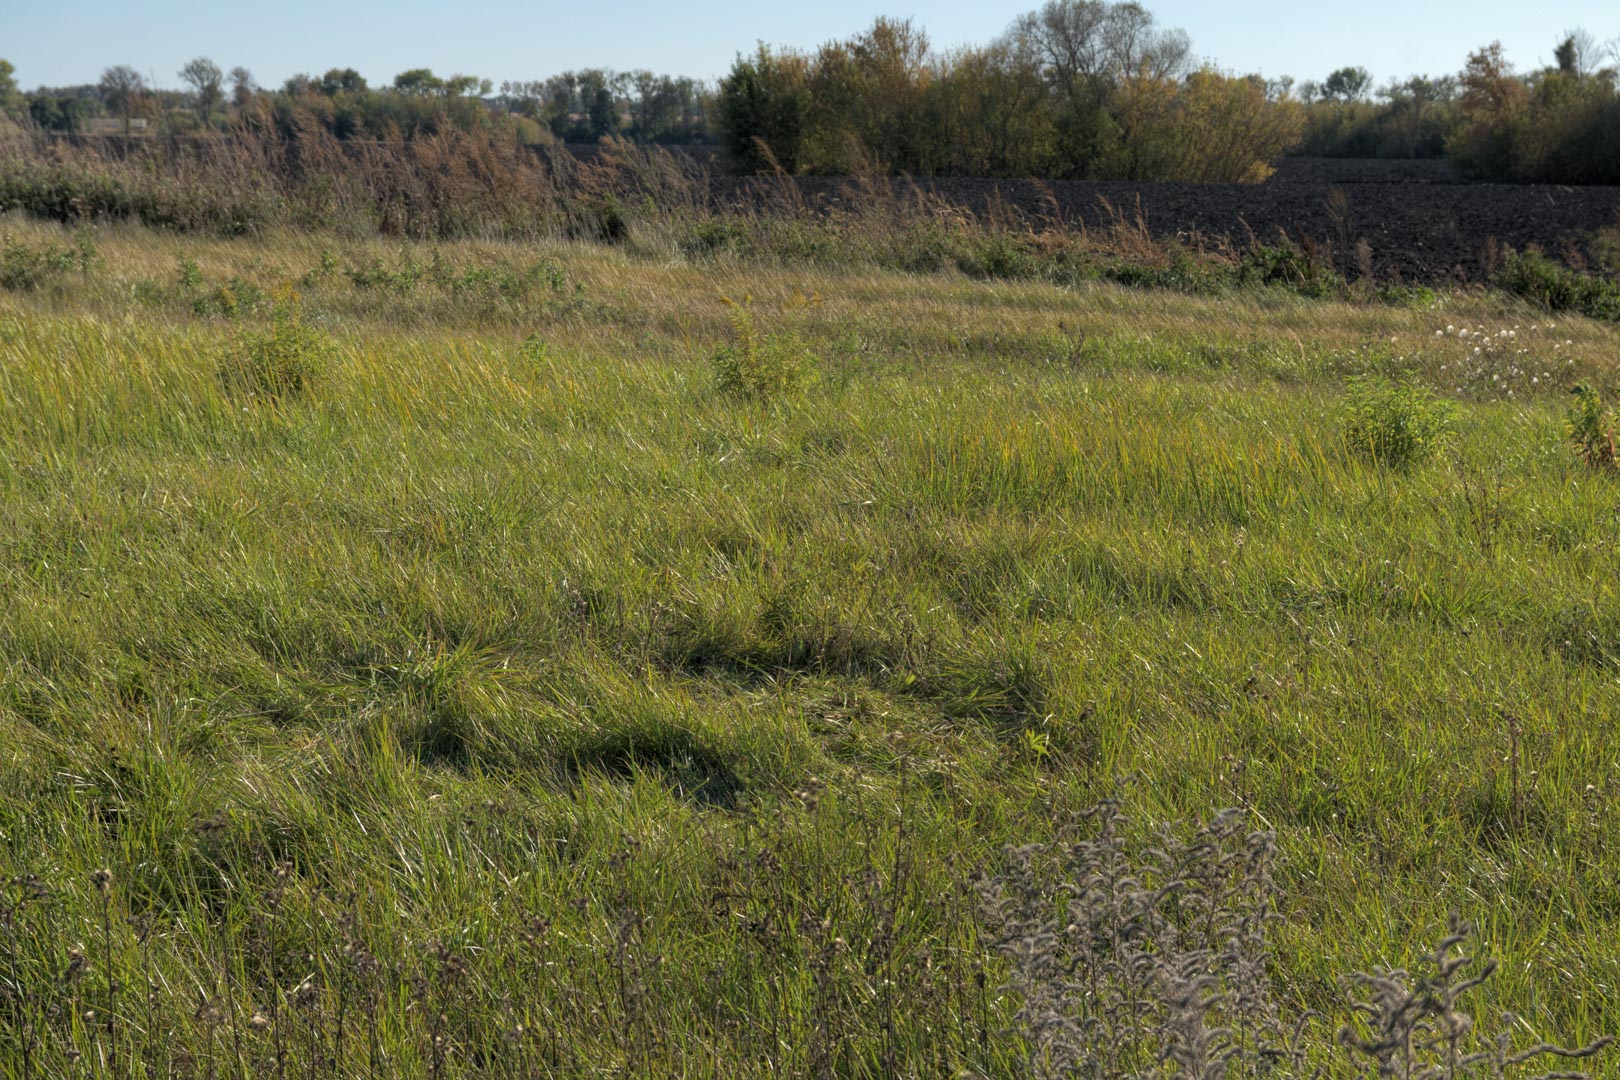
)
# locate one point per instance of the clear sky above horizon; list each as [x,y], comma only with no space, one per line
[70,41]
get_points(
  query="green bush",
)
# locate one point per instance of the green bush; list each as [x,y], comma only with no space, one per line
[1590,426]
[231,300]
[76,194]
[190,275]
[605,220]
[25,267]
[1535,277]
[717,235]
[756,365]
[1000,257]
[400,279]
[1182,274]
[534,351]
[280,363]
[1397,424]
[1305,272]
[1415,297]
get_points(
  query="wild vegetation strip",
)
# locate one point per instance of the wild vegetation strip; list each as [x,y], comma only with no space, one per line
[1386,229]
[452,186]
[474,658]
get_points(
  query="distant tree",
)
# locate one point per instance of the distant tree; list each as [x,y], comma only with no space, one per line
[1208,128]
[988,110]
[418,82]
[59,112]
[525,98]
[43,112]
[597,99]
[1490,90]
[1422,90]
[762,108]
[1347,84]
[242,87]
[11,102]
[1494,101]
[655,107]
[206,82]
[465,85]
[341,81]
[298,85]
[1578,54]
[867,98]
[559,101]
[1087,50]
[573,105]
[122,89]
[1096,43]
[602,111]
[1566,58]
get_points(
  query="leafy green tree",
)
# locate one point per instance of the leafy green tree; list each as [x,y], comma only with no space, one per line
[11,101]
[1348,84]
[598,102]
[868,97]
[1205,128]
[988,108]
[1086,51]
[559,102]
[341,81]
[660,106]
[42,110]
[59,112]
[523,98]
[418,82]
[761,110]
[466,86]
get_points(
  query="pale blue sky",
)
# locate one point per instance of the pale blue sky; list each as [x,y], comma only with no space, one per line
[71,41]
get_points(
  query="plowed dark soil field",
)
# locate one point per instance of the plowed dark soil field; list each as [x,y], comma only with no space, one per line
[1419,222]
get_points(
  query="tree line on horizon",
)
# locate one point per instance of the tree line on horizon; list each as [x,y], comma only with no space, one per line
[1083,89]
[575,106]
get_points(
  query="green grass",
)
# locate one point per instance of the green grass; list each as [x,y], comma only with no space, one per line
[511,672]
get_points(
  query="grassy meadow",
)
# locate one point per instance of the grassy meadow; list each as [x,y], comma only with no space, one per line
[452,679]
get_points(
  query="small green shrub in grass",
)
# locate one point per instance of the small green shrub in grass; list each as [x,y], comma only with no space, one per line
[1304,271]
[281,362]
[25,267]
[190,275]
[231,300]
[1590,425]
[1000,257]
[756,365]
[716,235]
[534,350]
[1397,424]
[1536,277]
[1413,297]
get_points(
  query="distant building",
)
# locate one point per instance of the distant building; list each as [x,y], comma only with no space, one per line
[114,125]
